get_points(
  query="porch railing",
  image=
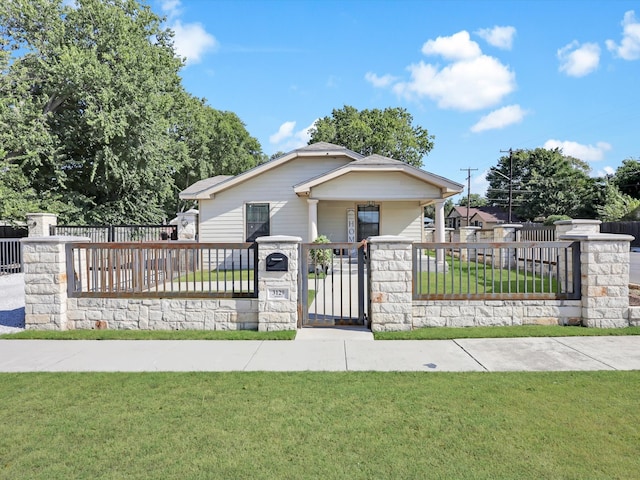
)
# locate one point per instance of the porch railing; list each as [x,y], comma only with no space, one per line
[488,271]
[162,270]
[10,255]
[118,233]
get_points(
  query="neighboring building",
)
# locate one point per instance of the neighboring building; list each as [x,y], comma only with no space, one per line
[483,217]
[320,189]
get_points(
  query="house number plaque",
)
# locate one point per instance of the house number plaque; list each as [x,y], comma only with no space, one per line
[278,294]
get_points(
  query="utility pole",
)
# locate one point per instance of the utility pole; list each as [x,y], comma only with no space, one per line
[510,151]
[468,170]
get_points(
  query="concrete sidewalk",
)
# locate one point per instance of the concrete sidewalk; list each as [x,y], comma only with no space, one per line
[316,354]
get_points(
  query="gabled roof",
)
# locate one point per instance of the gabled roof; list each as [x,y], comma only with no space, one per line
[486,214]
[203,185]
[379,163]
[204,191]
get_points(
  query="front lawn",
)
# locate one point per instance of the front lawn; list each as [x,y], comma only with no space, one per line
[449,333]
[149,335]
[577,425]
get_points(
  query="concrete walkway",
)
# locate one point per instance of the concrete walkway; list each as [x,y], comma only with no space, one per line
[323,350]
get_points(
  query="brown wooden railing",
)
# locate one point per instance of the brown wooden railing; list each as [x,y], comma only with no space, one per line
[162,270]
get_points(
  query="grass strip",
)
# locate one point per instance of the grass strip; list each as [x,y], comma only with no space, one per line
[150,335]
[570,425]
[449,333]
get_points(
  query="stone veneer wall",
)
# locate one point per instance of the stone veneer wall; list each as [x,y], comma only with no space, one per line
[162,314]
[494,313]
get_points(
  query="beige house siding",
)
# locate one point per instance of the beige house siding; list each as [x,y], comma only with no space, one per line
[396,218]
[371,185]
[222,218]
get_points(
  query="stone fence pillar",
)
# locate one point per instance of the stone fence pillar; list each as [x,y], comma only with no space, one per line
[468,235]
[390,271]
[604,278]
[45,281]
[39,223]
[506,233]
[564,227]
[278,290]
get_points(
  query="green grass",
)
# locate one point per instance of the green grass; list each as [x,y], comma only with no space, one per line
[473,278]
[448,333]
[577,425]
[207,276]
[150,335]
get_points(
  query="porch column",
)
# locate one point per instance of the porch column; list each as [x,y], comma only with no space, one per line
[313,219]
[439,233]
[439,220]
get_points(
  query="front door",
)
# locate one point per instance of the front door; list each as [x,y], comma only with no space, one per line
[368,221]
[333,289]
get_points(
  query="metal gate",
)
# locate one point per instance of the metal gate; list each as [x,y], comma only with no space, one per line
[334,284]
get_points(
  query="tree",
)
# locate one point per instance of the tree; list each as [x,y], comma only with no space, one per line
[94,119]
[618,206]
[475,200]
[387,132]
[627,177]
[544,182]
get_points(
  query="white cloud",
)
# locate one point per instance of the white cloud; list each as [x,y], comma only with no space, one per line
[579,60]
[500,37]
[456,47]
[285,131]
[587,153]
[604,172]
[470,84]
[629,48]
[192,41]
[379,82]
[469,81]
[500,118]
[286,138]
[480,184]
[171,7]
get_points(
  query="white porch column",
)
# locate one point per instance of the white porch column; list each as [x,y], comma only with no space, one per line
[313,219]
[439,233]
[439,220]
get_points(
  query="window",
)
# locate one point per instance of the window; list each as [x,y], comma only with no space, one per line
[257,221]
[368,221]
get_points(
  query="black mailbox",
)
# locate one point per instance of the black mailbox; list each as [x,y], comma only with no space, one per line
[277,262]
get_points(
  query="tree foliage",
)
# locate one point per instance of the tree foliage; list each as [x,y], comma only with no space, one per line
[387,132]
[94,122]
[544,182]
[474,200]
[627,177]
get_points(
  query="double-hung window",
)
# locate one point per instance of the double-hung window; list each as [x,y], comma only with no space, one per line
[257,220]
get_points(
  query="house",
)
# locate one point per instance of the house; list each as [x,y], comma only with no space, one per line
[320,189]
[483,217]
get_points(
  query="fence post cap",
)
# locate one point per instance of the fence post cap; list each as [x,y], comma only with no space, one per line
[596,237]
[279,239]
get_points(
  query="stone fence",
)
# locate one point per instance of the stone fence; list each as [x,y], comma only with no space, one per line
[604,260]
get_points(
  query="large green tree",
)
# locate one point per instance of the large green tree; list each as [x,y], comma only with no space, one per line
[389,132]
[627,177]
[543,183]
[94,122]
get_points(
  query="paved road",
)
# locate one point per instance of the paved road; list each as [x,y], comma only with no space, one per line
[11,302]
[634,271]
[313,354]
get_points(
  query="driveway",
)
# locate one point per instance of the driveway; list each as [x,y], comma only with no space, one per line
[634,270]
[11,303]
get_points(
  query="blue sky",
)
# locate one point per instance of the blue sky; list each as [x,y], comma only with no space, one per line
[482,76]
